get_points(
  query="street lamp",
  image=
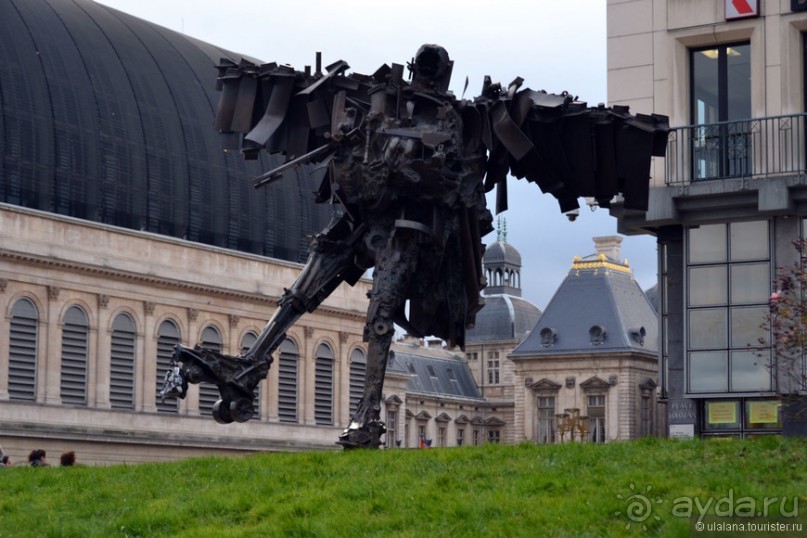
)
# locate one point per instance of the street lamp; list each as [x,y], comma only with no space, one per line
[573,423]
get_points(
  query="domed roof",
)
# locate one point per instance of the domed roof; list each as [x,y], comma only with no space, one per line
[504,317]
[109,118]
[501,252]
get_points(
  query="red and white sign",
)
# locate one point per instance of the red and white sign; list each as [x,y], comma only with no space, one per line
[740,9]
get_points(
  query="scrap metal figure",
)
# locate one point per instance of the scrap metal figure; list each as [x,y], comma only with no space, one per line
[409,165]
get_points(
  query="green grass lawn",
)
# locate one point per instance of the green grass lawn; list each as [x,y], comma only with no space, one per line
[640,488]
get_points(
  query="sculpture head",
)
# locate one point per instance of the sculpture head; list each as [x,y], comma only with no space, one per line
[431,69]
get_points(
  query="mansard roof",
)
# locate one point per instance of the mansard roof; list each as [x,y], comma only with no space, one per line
[599,308]
[433,371]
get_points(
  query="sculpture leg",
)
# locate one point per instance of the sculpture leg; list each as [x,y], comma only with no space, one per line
[330,261]
[395,267]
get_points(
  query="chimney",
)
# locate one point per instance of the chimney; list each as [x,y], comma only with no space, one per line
[610,246]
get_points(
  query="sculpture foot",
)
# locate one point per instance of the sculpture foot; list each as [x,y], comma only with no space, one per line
[368,436]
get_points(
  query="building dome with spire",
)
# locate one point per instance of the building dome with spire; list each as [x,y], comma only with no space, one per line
[505,316]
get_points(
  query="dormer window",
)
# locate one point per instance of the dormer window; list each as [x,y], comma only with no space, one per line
[638,335]
[596,335]
[548,336]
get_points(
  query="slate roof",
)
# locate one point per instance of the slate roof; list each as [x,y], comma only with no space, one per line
[501,252]
[434,372]
[598,296]
[504,317]
[109,118]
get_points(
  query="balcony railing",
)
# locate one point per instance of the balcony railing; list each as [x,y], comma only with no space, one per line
[753,148]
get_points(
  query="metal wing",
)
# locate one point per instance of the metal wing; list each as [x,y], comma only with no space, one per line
[569,149]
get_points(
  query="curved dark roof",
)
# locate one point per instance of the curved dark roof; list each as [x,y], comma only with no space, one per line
[500,253]
[599,307]
[504,317]
[107,117]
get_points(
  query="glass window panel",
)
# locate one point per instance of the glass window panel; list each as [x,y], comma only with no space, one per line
[707,244]
[705,86]
[738,81]
[749,370]
[722,414]
[746,326]
[708,371]
[763,414]
[707,286]
[749,241]
[708,328]
[750,283]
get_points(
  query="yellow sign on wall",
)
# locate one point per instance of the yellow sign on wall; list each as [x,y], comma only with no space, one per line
[722,412]
[765,412]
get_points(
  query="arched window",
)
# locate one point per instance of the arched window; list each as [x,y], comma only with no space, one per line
[358,371]
[75,344]
[122,362]
[167,338]
[246,343]
[287,381]
[22,350]
[323,386]
[209,393]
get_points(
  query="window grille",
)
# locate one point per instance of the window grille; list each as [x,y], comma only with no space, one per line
[122,363]
[22,350]
[209,393]
[287,381]
[75,343]
[358,372]
[323,386]
[167,338]
[246,343]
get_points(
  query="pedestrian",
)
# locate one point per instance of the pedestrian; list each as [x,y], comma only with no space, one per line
[38,458]
[68,459]
[5,461]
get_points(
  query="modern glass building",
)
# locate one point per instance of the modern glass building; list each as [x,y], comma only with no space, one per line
[726,202]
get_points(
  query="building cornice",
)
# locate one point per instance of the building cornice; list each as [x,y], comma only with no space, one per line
[162,282]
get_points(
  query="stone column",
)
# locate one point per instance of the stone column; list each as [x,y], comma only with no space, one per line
[99,389]
[49,391]
[190,405]
[6,309]
[308,359]
[146,363]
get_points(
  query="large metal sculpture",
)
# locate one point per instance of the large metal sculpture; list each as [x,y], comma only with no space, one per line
[408,164]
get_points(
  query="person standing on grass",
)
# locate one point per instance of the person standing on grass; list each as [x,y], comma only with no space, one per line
[38,458]
[68,459]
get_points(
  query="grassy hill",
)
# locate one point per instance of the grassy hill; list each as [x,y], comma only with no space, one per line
[636,488]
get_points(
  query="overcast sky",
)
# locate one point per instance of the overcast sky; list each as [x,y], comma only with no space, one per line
[554,46]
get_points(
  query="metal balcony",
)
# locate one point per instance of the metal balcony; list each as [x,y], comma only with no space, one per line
[752,148]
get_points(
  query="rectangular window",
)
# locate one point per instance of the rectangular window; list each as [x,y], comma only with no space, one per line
[392,432]
[722,144]
[646,426]
[476,437]
[441,437]
[728,289]
[493,367]
[596,417]
[546,420]
[460,436]
[494,436]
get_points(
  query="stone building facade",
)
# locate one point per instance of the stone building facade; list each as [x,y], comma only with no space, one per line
[90,314]
[589,369]
[727,201]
